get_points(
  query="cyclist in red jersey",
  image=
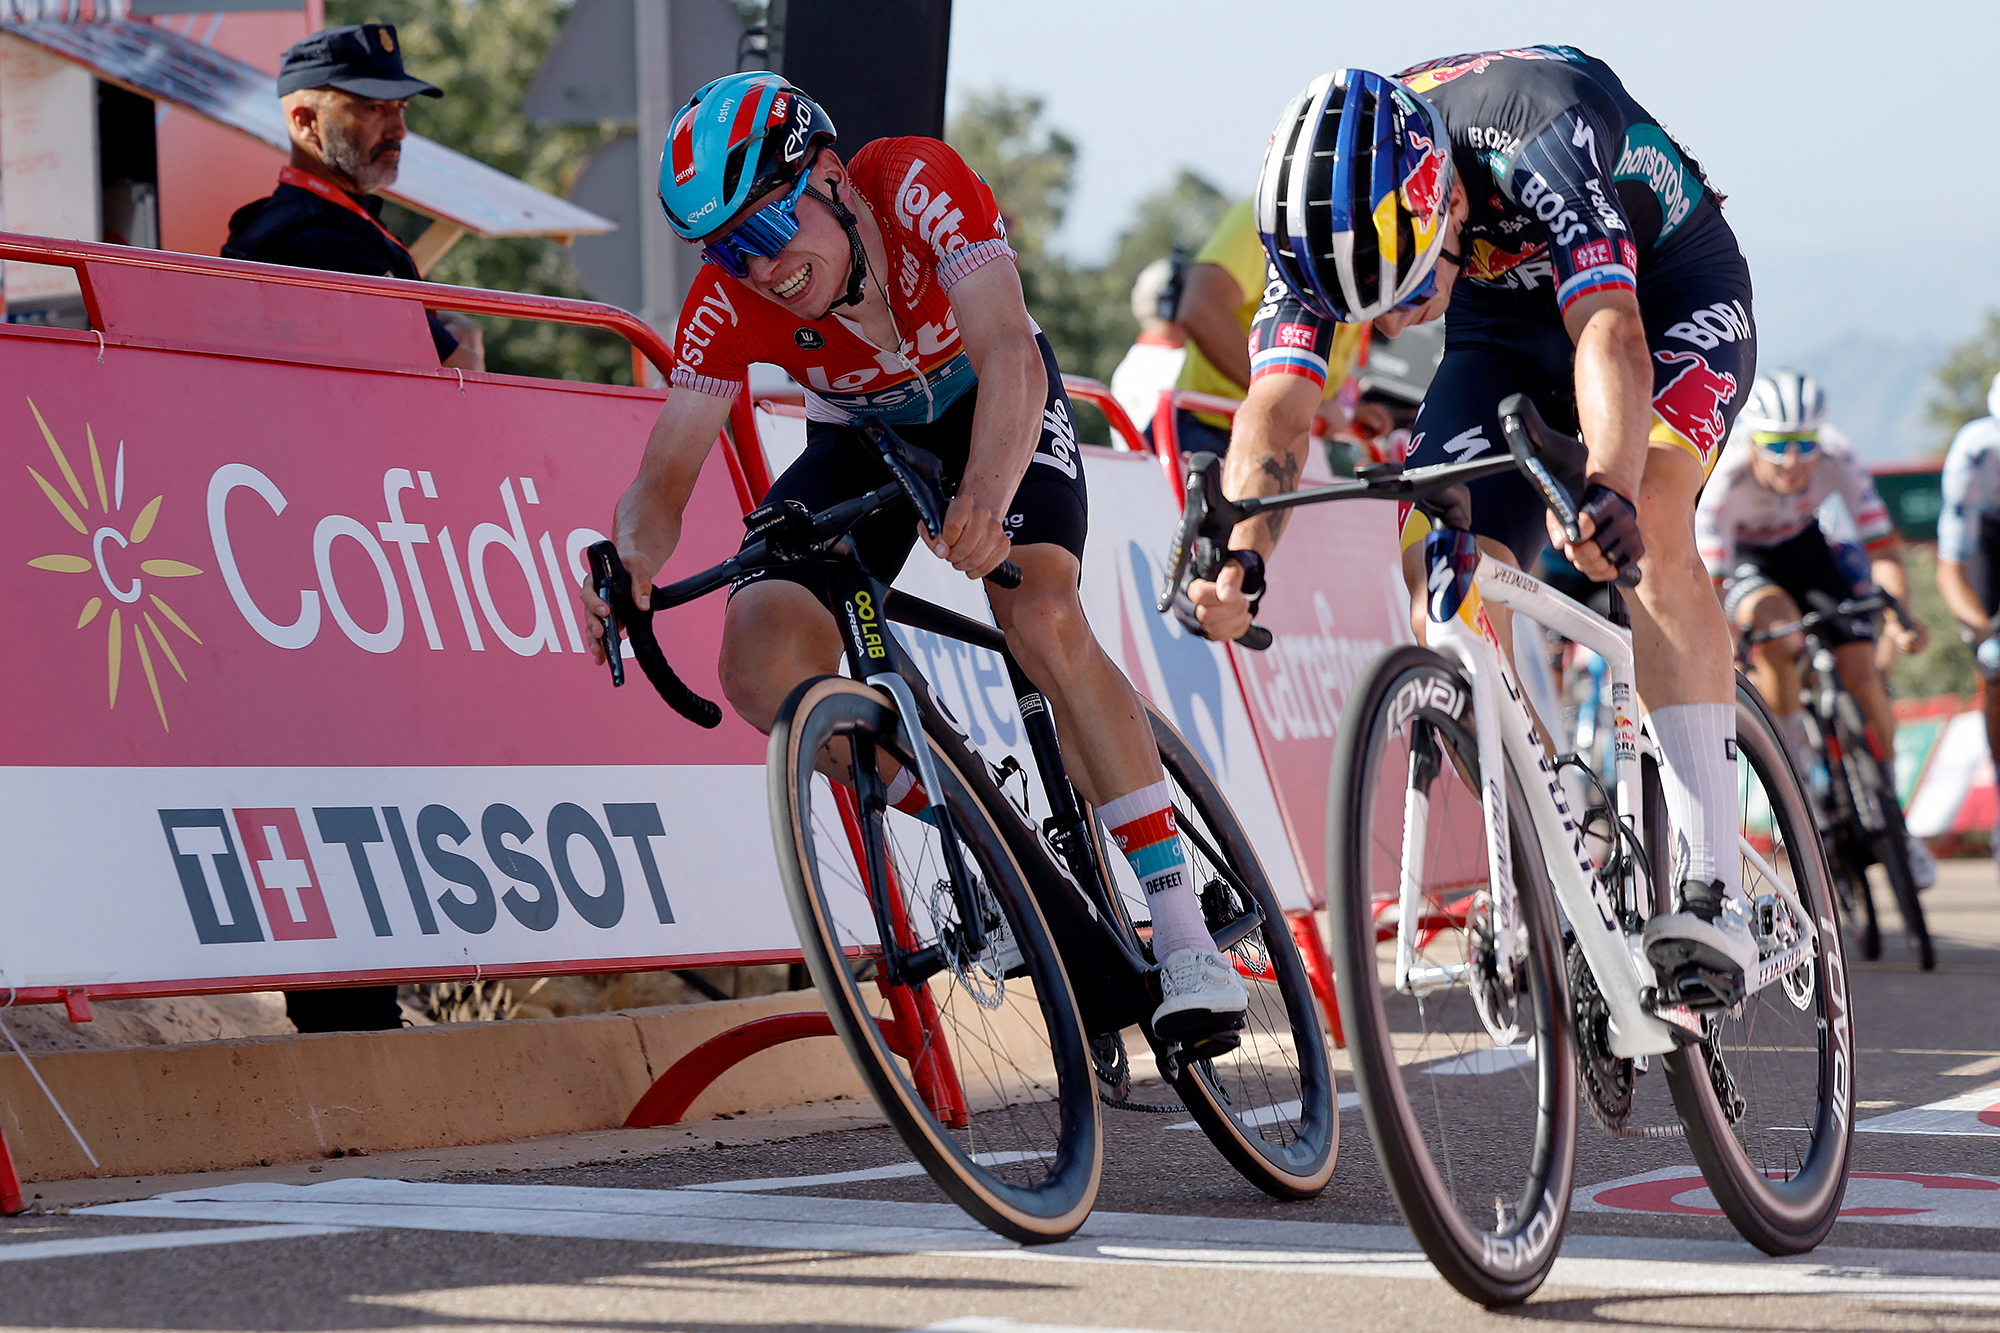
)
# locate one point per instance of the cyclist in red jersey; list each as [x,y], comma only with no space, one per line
[880,286]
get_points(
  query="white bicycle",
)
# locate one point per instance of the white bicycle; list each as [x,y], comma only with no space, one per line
[1486,935]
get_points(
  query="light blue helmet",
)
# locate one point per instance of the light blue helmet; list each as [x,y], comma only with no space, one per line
[739,137]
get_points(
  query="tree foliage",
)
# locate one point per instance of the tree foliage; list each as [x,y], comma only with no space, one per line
[484,54]
[1084,309]
[1962,382]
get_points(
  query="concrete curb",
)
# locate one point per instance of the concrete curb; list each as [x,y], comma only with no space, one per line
[221,1105]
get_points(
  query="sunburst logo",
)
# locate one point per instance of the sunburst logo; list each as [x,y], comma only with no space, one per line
[128,592]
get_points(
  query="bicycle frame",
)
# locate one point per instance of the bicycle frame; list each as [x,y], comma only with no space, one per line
[1606,930]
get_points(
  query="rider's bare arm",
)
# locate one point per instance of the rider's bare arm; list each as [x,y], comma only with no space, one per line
[1886,565]
[648,519]
[1614,400]
[1267,451]
[1210,298]
[1007,422]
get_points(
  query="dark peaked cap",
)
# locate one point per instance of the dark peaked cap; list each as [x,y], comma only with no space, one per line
[363,59]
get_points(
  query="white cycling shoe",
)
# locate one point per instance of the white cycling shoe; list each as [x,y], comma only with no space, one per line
[1705,951]
[1203,995]
[1923,866]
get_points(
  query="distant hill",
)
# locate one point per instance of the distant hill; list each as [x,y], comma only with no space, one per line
[1877,388]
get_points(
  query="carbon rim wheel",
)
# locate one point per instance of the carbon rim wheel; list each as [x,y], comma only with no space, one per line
[987,1077]
[1476,1135]
[1269,1106]
[1768,1098]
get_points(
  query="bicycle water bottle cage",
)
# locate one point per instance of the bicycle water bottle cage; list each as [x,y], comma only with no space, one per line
[1450,557]
[785,525]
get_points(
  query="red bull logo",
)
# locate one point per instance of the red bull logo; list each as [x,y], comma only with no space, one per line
[1424,184]
[1489,262]
[1692,401]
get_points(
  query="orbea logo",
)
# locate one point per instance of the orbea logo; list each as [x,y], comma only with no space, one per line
[111,540]
[283,897]
[297,620]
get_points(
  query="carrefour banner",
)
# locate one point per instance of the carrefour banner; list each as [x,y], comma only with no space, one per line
[299,687]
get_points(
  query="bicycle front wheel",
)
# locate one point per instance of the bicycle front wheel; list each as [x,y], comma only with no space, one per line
[1462,1055]
[1768,1095]
[977,1058]
[1269,1105]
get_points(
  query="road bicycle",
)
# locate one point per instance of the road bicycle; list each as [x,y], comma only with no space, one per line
[1862,821]
[979,965]
[1486,934]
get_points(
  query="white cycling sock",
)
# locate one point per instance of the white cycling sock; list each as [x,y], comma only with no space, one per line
[1698,742]
[1142,823]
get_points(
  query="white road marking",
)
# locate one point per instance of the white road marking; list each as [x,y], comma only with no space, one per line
[1976,1113]
[1491,1060]
[1892,1198]
[699,1217]
[988,1324]
[1270,1115]
[896,1172]
[159,1240]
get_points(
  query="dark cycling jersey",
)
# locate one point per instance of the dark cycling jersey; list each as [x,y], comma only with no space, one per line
[1572,188]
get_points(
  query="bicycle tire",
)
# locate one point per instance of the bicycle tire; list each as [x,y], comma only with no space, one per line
[1244,1100]
[1777,1158]
[1845,843]
[1477,1138]
[1890,844]
[1025,1154]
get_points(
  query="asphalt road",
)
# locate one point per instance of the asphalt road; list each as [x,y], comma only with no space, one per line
[711,1227]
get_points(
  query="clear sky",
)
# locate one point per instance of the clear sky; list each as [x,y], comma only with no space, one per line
[1859,144]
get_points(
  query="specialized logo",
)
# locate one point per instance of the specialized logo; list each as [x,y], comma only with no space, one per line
[135,599]
[810,339]
[1692,402]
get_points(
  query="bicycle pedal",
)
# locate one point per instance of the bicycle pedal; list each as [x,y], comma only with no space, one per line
[1212,1045]
[1704,989]
[1196,1026]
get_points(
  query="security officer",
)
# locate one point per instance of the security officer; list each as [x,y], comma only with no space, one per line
[343,91]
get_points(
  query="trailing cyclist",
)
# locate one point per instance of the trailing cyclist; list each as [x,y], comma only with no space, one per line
[1969,550]
[879,284]
[1759,531]
[1583,260]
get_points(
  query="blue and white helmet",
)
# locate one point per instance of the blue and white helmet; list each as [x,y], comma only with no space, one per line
[1354,194]
[739,137]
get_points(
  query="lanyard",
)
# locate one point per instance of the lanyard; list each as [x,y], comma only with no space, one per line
[340,198]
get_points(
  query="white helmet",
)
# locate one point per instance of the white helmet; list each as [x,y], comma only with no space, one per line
[1784,402]
[1993,397]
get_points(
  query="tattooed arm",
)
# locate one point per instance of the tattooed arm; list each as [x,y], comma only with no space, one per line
[1267,451]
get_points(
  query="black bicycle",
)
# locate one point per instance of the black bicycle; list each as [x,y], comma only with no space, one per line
[1863,824]
[978,965]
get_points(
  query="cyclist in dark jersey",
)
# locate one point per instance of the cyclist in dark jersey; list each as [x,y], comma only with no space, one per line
[885,285]
[1584,261]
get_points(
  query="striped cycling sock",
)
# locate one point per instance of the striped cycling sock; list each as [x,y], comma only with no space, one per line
[1142,823]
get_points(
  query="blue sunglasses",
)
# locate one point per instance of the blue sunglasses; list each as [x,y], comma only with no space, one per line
[764,233]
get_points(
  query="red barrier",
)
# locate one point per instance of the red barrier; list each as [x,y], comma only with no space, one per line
[10,1184]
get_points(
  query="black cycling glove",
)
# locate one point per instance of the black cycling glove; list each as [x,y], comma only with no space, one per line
[1617,529]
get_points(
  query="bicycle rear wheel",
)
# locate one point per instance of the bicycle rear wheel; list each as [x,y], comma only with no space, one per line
[1269,1105]
[1889,837]
[1768,1095]
[1467,1077]
[979,1059]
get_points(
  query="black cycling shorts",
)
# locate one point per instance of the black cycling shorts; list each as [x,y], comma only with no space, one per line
[1800,565]
[1695,303]
[1050,505]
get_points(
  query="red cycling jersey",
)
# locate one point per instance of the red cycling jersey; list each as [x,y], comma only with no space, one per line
[939,223]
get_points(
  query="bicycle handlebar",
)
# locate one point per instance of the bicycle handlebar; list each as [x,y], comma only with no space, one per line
[1825,611]
[1552,461]
[785,533]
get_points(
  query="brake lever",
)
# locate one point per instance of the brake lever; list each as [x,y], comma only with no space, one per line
[1528,437]
[609,579]
[1200,545]
[924,485]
